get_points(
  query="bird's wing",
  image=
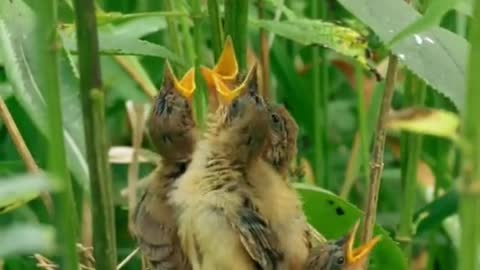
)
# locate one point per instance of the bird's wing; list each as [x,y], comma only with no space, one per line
[156,233]
[257,238]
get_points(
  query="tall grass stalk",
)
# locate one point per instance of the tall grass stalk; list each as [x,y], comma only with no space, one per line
[200,93]
[364,137]
[236,23]
[320,91]
[172,29]
[93,110]
[376,164]
[468,257]
[216,24]
[264,53]
[411,148]
[47,49]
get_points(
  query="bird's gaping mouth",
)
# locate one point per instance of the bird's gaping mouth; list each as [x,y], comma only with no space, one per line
[227,95]
[226,68]
[358,255]
[186,86]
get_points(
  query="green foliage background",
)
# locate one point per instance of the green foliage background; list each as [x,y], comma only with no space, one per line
[320,61]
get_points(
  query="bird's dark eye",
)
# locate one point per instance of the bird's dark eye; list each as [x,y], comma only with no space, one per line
[234,107]
[235,104]
[340,260]
[166,139]
[258,100]
[275,119]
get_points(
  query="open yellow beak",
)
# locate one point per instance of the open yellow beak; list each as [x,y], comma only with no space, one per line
[358,255]
[186,86]
[226,68]
[227,95]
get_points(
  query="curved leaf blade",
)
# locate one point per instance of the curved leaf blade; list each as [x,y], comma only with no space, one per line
[434,213]
[306,32]
[113,43]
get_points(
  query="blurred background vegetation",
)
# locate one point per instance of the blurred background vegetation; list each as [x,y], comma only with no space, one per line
[335,64]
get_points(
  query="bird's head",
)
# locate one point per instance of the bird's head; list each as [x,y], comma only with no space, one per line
[343,256]
[242,116]
[281,145]
[171,124]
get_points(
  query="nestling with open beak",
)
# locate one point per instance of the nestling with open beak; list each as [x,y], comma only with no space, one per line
[226,70]
[173,132]
[277,201]
[340,255]
[220,226]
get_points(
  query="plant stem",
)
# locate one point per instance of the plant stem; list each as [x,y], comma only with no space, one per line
[217,30]
[264,54]
[173,32]
[92,96]
[362,123]
[200,98]
[376,165]
[470,188]
[236,22]
[47,47]
[320,90]
[136,116]
[411,148]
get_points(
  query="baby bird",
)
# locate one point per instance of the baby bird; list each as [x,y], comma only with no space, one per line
[173,133]
[340,255]
[219,224]
[277,201]
[281,147]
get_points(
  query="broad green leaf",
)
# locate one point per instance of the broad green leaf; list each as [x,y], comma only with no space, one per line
[425,121]
[25,239]
[22,69]
[437,55]
[432,17]
[19,190]
[432,214]
[306,32]
[334,217]
[112,43]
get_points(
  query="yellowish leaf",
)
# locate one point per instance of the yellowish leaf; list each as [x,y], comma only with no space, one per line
[425,121]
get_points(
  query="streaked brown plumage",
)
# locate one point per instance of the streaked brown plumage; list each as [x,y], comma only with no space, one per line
[173,132]
[340,255]
[281,147]
[277,200]
[219,223]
